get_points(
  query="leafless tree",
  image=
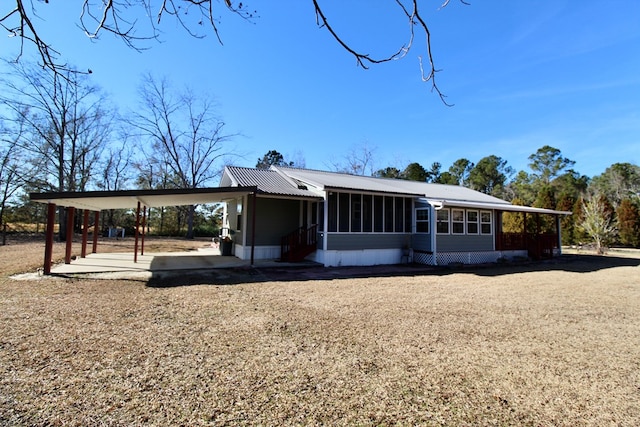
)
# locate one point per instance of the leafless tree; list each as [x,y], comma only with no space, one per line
[117,17]
[60,122]
[357,161]
[13,171]
[184,133]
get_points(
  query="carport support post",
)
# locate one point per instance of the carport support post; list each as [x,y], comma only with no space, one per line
[85,233]
[558,234]
[48,242]
[144,224]
[70,217]
[253,224]
[96,223]
[135,246]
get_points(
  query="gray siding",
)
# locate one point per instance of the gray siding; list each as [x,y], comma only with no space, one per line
[357,241]
[464,242]
[421,242]
[275,218]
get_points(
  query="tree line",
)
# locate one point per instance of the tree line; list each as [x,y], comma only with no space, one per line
[606,208]
[58,132]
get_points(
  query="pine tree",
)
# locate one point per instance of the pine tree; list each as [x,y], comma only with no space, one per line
[628,223]
[567,222]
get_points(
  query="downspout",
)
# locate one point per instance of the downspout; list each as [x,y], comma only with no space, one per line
[435,206]
[325,227]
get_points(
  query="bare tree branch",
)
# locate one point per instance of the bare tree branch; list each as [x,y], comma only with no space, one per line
[117,17]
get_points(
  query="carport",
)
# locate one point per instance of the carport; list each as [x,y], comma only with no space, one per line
[140,200]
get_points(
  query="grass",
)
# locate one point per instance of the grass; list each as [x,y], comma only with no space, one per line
[556,345]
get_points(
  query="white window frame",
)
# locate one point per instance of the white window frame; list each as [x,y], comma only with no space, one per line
[490,222]
[476,222]
[448,221]
[422,221]
[454,221]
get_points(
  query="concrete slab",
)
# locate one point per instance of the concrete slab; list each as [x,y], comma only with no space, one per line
[202,259]
[160,261]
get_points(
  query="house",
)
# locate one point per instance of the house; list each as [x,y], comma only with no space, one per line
[337,219]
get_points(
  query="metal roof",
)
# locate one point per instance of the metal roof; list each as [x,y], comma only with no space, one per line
[128,199]
[436,194]
[268,182]
[336,181]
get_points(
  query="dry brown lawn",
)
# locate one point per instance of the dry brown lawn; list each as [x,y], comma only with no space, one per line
[539,345]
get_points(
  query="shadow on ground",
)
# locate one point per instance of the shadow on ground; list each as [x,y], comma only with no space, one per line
[230,276]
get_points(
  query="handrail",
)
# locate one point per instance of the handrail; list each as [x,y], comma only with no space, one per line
[300,241]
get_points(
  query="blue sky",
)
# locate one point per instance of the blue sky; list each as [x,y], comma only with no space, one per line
[521,75]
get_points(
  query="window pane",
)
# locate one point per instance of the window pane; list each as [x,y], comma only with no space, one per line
[443,221]
[388,214]
[485,222]
[422,220]
[472,222]
[457,221]
[378,215]
[343,208]
[422,227]
[367,213]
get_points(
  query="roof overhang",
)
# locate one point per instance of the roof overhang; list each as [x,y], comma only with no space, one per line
[370,191]
[128,199]
[507,207]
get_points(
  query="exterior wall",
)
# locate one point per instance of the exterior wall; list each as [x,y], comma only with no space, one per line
[275,218]
[364,241]
[259,252]
[464,242]
[421,242]
[357,257]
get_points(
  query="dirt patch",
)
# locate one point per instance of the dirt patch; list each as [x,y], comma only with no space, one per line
[539,344]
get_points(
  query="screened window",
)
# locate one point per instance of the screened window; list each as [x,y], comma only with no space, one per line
[457,221]
[472,222]
[378,214]
[367,213]
[399,214]
[407,215]
[333,212]
[485,222]
[356,213]
[442,221]
[388,214]
[320,216]
[422,220]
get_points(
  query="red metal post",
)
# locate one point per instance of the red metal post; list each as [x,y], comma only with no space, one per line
[69,238]
[135,246]
[85,233]
[48,245]
[96,230]
[144,223]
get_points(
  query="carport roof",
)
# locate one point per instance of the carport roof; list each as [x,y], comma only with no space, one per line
[127,199]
